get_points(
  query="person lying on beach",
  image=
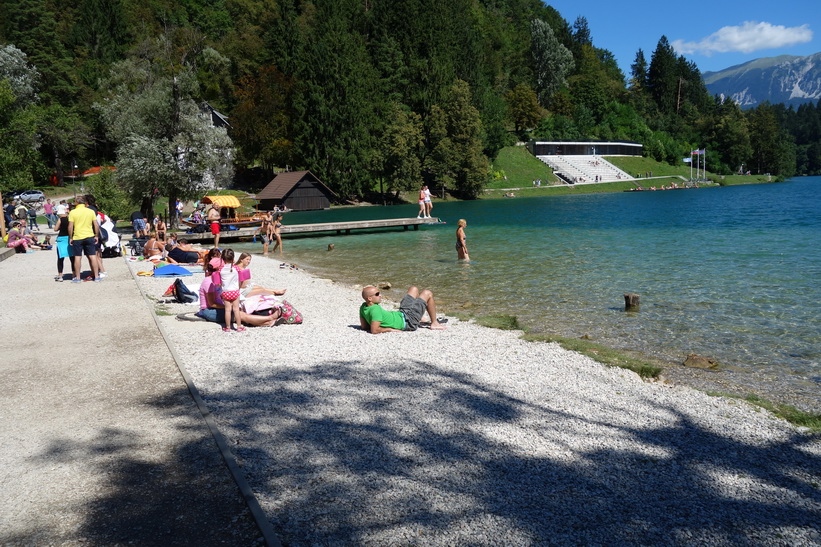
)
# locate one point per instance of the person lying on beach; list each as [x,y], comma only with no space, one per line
[182,253]
[374,319]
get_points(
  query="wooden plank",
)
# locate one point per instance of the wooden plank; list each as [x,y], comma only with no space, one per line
[318,228]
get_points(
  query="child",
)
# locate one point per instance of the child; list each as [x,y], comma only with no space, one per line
[244,274]
[228,279]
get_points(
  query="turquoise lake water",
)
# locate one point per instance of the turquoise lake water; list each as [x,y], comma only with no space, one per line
[729,272]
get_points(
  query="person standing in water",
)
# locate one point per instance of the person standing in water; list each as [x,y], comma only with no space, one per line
[461,245]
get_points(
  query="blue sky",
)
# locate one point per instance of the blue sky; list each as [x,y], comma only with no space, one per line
[715,35]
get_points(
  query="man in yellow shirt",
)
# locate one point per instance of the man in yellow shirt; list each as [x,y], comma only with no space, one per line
[83,233]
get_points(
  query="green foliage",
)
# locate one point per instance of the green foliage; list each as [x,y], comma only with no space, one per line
[525,110]
[610,357]
[21,76]
[457,161]
[552,62]
[19,159]
[520,167]
[398,150]
[502,322]
[335,106]
[110,197]
[164,141]
[312,84]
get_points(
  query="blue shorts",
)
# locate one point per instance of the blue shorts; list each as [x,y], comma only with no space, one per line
[139,224]
[85,246]
[214,315]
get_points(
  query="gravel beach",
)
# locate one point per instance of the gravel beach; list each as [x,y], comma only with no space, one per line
[471,436]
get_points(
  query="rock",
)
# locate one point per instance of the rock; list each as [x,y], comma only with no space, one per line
[384,285]
[699,361]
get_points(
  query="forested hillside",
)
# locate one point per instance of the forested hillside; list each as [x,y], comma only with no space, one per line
[368,94]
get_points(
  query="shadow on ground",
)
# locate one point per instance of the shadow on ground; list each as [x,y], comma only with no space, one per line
[149,495]
[410,453]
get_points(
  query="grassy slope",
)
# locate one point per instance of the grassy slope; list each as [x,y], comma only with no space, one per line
[521,168]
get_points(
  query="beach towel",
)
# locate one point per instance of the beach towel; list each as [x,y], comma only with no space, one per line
[171,270]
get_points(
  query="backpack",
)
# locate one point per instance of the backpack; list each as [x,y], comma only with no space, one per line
[183,294]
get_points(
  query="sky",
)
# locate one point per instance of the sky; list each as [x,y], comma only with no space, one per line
[715,35]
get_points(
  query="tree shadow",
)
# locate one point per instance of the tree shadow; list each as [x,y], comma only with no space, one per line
[344,453]
[150,491]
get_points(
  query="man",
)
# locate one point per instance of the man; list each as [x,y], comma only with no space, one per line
[412,308]
[214,221]
[138,221]
[51,218]
[83,233]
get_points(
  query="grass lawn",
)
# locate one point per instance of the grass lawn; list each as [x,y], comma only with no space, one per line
[521,168]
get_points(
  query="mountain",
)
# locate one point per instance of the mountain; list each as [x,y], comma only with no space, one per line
[784,79]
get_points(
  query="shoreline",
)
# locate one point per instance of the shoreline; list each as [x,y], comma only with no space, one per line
[726,379]
[458,435]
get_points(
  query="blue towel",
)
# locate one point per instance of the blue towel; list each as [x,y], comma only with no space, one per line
[171,270]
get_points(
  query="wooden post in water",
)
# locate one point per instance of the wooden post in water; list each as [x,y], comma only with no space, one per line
[631,301]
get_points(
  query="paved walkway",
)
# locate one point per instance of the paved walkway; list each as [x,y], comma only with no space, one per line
[102,442]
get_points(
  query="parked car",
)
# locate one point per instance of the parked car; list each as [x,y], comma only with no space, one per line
[31,196]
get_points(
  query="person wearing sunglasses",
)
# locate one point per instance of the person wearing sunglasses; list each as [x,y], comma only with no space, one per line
[376,320]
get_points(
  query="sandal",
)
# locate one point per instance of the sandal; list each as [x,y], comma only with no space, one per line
[241,329]
[226,329]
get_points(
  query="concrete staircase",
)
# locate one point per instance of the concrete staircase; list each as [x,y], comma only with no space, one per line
[585,169]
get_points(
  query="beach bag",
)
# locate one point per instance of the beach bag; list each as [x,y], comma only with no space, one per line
[183,294]
[290,315]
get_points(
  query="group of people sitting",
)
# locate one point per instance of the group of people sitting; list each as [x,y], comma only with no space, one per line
[172,250]
[226,294]
[227,297]
[22,239]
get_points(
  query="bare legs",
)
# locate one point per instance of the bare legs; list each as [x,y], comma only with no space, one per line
[430,305]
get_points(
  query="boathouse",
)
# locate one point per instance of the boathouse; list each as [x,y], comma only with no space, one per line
[297,191]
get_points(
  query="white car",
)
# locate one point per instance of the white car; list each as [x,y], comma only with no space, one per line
[31,196]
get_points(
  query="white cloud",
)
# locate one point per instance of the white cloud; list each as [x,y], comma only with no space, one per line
[750,36]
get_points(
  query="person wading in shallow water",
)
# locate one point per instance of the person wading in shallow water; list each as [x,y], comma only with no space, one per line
[374,319]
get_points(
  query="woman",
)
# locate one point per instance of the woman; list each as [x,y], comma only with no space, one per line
[246,288]
[266,230]
[152,250]
[64,248]
[422,209]
[277,227]
[461,246]
[18,238]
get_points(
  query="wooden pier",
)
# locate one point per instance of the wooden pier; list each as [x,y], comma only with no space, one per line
[318,229]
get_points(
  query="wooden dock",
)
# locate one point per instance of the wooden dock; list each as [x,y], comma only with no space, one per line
[319,229]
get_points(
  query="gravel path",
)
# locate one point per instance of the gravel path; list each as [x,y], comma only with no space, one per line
[471,436]
[101,441]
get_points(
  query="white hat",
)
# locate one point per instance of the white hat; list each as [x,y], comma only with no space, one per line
[61,209]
